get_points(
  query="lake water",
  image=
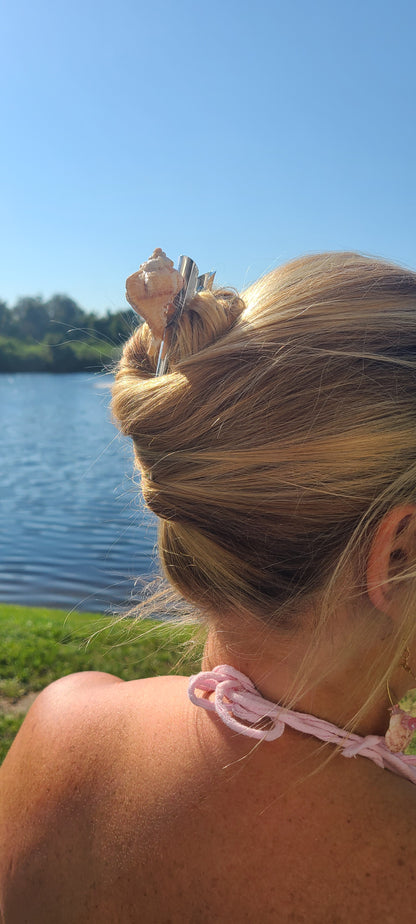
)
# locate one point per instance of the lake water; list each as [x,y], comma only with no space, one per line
[73,530]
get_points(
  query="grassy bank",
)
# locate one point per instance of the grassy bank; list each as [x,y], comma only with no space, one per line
[40,645]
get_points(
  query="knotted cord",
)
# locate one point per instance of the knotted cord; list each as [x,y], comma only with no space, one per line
[243,709]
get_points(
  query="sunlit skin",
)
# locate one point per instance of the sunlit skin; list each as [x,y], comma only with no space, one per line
[272,663]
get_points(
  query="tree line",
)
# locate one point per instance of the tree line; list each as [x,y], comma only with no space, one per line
[57,335]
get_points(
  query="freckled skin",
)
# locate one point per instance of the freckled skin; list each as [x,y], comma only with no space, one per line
[137,807]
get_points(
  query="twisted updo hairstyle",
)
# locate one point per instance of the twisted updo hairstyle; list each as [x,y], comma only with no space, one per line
[283,431]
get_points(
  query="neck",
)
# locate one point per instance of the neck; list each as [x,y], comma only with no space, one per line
[276,667]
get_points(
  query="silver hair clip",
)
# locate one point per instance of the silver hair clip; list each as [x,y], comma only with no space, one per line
[193,283]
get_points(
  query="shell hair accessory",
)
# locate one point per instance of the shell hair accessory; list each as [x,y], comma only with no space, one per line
[159,293]
[401,733]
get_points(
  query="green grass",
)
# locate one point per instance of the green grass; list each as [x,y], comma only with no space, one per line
[9,726]
[40,645]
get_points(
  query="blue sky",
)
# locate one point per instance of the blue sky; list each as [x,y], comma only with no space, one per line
[243,134]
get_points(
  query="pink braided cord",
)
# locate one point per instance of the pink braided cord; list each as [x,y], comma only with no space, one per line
[237,701]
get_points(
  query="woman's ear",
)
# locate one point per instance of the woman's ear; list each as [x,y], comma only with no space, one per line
[393,545]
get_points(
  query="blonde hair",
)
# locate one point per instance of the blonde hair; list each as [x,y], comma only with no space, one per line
[283,432]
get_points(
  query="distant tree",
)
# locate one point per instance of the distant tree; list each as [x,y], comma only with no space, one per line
[64,310]
[32,318]
[58,336]
[121,325]
[5,317]
[9,326]
[115,327]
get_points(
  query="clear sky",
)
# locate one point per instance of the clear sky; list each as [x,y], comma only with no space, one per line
[241,133]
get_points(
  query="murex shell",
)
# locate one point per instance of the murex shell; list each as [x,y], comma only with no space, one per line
[151,290]
[401,733]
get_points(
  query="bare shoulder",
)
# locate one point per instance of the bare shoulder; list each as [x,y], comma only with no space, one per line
[72,751]
[79,712]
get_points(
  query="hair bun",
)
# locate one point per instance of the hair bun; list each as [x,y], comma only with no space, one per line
[204,319]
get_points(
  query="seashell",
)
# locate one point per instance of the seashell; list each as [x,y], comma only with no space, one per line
[399,734]
[151,290]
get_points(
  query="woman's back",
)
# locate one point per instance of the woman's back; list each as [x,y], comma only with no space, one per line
[276,442]
[138,807]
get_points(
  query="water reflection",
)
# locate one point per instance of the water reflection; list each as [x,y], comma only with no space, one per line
[73,532]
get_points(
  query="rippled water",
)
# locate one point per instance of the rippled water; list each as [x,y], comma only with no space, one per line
[73,532]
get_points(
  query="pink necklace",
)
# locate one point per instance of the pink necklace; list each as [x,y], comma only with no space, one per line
[237,701]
